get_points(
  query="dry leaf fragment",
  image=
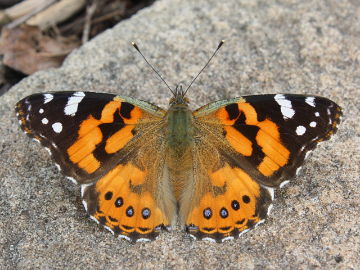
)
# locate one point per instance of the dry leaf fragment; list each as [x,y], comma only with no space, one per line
[27,49]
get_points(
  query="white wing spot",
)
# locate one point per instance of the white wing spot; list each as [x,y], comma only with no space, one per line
[73,102]
[244,231]
[48,98]
[41,110]
[57,127]
[317,114]
[209,239]
[285,106]
[93,218]
[259,223]
[298,170]
[121,236]
[58,167]
[271,192]
[310,101]
[284,183]
[313,124]
[307,154]
[109,229]
[71,179]
[48,149]
[228,238]
[44,121]
[192,236]
[300,130]
[143,240]
[86,208]
[83,187]
[269,209]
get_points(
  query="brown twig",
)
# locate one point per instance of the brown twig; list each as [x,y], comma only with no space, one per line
[90,10]
[20,9]
[58,12]
[110,15]
[27,16]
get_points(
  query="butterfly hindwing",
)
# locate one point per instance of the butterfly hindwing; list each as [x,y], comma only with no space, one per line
[105,143]
[257,143]
[224,200]
[134,199]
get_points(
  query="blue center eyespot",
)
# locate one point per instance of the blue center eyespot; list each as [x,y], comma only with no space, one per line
[119,202]
[207,213]
[235,205]
[130,211]
[224,213]
[146,213]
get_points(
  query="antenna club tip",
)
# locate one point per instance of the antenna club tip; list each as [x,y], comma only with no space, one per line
[135,45]
[221,43]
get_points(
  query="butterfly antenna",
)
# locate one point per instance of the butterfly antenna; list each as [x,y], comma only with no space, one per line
[218,47]
[137,48]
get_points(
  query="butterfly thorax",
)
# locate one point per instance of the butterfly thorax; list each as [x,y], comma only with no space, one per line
[180,140]
[179,119]
[180,133]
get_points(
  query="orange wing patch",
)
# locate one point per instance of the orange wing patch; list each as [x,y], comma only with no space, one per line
[124,116]
[236,204]
[80,152]
[123,206]
[237,116]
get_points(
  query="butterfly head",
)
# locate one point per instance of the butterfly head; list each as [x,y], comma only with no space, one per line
[179,96]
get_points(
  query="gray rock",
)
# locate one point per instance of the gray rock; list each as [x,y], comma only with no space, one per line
[306,47]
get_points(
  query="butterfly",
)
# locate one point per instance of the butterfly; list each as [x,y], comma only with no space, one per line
[141,168]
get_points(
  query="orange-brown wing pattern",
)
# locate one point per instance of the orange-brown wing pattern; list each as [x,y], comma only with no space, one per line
[106,143]
[85,131]
[271,134]
[245,147]
[134,200]
[224,200]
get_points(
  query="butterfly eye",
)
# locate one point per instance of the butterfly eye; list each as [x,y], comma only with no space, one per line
[224,212]
[246,199]
[207,213]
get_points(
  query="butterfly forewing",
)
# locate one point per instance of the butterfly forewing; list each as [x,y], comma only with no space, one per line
[271,134]
[81,129]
